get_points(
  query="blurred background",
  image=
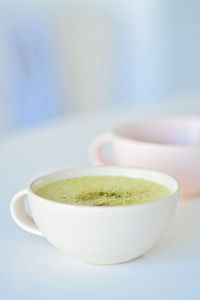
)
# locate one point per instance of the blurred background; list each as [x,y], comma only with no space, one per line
[62,57]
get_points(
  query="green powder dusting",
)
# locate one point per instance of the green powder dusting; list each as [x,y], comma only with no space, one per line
[103,190]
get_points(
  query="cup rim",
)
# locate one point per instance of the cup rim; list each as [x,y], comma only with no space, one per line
[103,208]
[117,134]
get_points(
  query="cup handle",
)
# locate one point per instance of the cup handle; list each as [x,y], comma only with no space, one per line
[20,215]
[95,149]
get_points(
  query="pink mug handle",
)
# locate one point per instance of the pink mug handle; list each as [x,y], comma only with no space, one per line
[95,149]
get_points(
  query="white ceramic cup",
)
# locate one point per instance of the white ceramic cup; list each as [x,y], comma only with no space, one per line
[168,144]
[97,235]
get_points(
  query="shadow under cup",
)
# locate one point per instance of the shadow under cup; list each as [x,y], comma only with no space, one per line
[169,145]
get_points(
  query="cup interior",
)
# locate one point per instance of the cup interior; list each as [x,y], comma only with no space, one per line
[148,174]
[174,131]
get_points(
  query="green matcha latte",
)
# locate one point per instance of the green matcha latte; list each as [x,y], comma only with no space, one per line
[103,191]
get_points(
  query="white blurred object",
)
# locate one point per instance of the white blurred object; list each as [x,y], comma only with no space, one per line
[85,47]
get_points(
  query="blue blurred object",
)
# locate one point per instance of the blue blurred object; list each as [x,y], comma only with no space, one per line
[31,78]
[143,52]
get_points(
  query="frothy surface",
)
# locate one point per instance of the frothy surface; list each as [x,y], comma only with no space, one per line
[103,191]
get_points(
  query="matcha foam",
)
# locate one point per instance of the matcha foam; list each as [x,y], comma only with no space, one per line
[103,191]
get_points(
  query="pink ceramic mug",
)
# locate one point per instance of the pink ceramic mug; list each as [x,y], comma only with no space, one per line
[170,145]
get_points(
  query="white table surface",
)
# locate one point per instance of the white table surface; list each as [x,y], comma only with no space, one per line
[30,268]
